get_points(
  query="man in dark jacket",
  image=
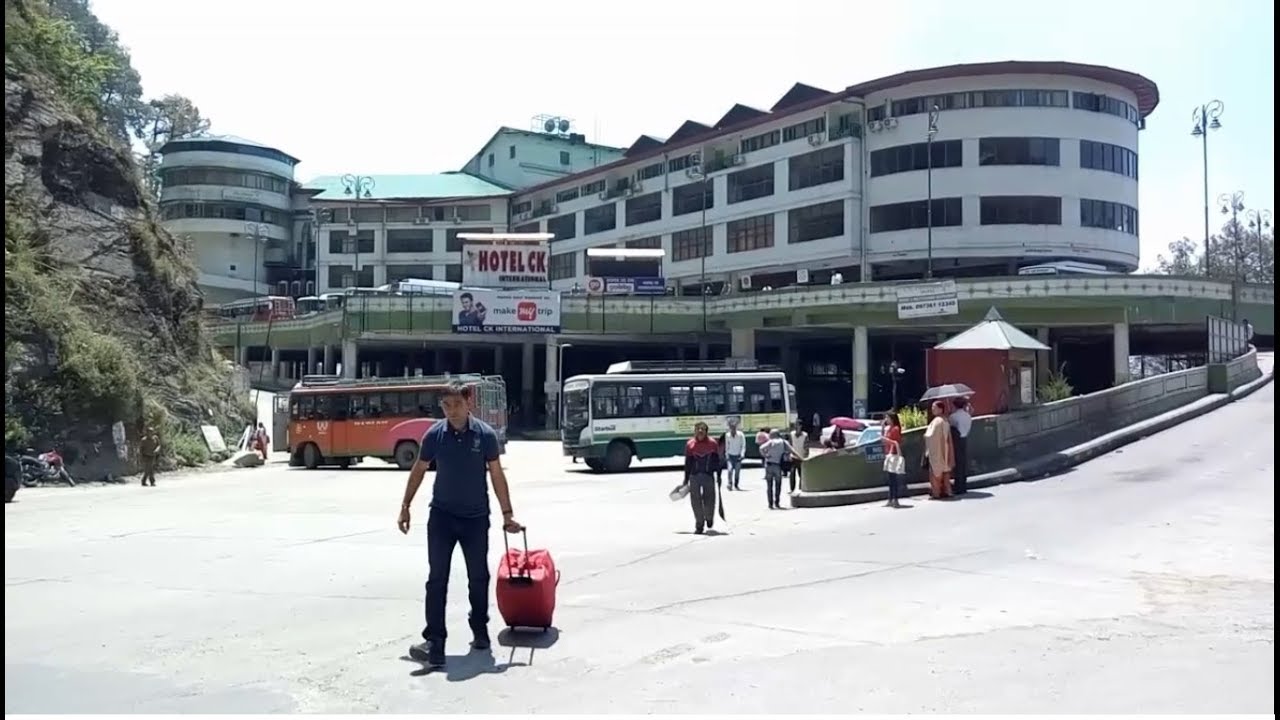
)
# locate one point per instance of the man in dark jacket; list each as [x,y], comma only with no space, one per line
[701,465]
[149,453]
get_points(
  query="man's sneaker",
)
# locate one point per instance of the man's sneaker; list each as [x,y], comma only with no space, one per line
[480,640]
[428,652]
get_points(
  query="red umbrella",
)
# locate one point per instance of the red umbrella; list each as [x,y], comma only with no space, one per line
[848,424]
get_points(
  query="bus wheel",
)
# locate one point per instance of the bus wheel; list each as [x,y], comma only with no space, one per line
[595,464]
[617,457]
[344,463]
[310,456]
[406,454]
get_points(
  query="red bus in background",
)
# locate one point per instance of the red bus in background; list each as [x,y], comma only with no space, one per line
[333,421]
[259,309]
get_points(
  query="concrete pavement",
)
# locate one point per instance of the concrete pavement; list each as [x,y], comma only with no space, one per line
[1140,581]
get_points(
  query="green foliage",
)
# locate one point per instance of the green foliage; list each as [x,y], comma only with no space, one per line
[38,40]
[1056,387]
[1241,251]
[913,417]
[187,449]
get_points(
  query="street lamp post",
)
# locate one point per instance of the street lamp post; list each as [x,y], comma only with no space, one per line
[1260,221]
[1203,119]
[560,377]
[319,217]
[359,186]
[932,130]
[1232,204]
[258,234]
[895,372]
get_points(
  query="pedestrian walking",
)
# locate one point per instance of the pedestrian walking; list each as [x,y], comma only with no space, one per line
[939,457]
[800,444]
[735,448]
[701,463]
[149,453]
[961,423]
[773,451]
[463,450]
[895,467]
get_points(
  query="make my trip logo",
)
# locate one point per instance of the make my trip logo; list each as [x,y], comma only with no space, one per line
[525,311]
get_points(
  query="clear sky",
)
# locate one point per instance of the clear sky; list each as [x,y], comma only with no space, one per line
[415,86]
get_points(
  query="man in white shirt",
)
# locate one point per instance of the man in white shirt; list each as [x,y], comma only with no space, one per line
[800,443]
[734,446]
[961,424]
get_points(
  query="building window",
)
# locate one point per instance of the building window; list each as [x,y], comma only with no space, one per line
[693,197]
[453,243]
[564,157]
[653,242]
[522,207]
[816,126]
[643,209]
[562,266]
[750,184]
[691,244]
[404,213]
[753,233]
[681,163]
[600,219]
[175,177]
[1096,102]
[593,188]
[760,142]
[973,99]
[1109,158]
[816,168]
[474,213]
[564,227]
[532,227]
[341,276]
[651,171]
[225,211]
[1019,151]
[947,212]
[409,241]
[1021,210]
[490,159]
[815,222]
[453,272]
[1108,216]
[908,158]
[511,151]
[396,273]
[345,242]
[567,195]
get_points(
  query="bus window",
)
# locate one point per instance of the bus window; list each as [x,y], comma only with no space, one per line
[708,399]
[775,397]
[373,405]
[680,401]
[391,404]
[633,401]
[791,399]
[604,401]
[737,399]
[756,402]
[656,400]
[325,408]
[303,408]
[429,404]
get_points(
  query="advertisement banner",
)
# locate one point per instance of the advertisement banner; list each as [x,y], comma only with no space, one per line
[626,286]
[504,264]
[934,299]
[506,311]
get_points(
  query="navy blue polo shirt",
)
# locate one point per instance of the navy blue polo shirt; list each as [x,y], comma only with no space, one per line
[462,458]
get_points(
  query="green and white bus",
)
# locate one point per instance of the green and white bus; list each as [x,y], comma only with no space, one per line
[647,410]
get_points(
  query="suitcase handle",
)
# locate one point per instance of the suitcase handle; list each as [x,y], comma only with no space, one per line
[506,544]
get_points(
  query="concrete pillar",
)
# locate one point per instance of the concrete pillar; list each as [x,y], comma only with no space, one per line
[350,360]
[742,343]
[526,381]
[1044,358]
[464,360]
[243,359]
[704,351]
[861,371]
[1120,352]
[329,360]
[311,362]
[497,359]
[552,384]
[275,363]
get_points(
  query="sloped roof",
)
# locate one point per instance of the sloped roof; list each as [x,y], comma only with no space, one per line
[687,130]
[993,333]
[739,113]
[411,187]
[643,143]
[799,93]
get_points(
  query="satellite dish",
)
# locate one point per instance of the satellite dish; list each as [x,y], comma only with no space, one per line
[549,126]
[563,125]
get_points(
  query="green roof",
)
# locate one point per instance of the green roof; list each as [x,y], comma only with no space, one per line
[410,187]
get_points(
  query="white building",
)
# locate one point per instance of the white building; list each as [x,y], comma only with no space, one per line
[1031,162]
[523,158]
[234,199]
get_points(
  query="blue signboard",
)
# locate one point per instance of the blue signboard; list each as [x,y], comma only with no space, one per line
[626,286]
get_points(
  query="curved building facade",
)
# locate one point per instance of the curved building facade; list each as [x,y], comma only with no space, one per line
[235,200]
[1028,162]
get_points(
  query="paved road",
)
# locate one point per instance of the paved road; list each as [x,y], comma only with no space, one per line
[1142,581]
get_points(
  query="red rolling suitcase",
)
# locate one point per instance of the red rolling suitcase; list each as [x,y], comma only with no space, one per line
[526,586]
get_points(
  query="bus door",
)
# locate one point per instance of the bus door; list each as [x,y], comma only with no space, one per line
[280,424]
[330,411]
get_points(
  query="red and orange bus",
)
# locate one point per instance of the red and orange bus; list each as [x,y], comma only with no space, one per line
[338,422]
[257,309]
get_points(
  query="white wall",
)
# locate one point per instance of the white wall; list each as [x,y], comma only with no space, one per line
[537,159]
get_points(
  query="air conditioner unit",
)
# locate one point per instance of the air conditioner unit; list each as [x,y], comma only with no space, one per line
[875,125]
[891,122]
[744,282]
[351,220]
[695,158]
[553,209]
[604,195]
[636,186]
[693,171]
[521,217]
[737,159]
[457,220]
[420,221]
[817,139]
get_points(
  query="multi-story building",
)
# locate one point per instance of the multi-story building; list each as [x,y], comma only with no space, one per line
[972,169]
[236,201]
[523,158]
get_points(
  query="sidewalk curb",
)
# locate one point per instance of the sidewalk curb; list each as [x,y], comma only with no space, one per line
[1052,463]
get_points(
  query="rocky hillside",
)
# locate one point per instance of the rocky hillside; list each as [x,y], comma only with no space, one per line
[102,314]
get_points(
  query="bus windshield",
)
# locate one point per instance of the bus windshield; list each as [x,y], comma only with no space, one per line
[576,408]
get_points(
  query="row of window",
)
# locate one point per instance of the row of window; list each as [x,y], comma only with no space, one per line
[805,224]
[341,276]
[175,177]
[916,156]
[1108,157]
[1002,151]
[336,406]
[398,241]
[1108,216]
[658,398]
[947,212]
[1002,210]
[226,211]
[1093,102]
[406,213]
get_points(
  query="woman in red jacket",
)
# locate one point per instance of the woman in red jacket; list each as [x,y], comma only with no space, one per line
[891,432]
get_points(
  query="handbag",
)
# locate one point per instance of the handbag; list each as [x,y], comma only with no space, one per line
[895,464]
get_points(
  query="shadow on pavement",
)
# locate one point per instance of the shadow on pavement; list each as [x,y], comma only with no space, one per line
[972,495]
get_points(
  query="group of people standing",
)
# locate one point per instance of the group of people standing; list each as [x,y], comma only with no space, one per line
[945,456]
[707,460]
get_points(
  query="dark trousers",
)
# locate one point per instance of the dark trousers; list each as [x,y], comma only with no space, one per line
[773,483]
[444,532]
[793,474]
[960,474]
[894,482]
[149,470]
[702,498]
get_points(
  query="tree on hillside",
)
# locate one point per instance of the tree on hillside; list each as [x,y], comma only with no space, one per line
[1241,251]
[119,93]
[168,118]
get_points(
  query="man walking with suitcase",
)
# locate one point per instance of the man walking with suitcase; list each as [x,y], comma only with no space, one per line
[463,449]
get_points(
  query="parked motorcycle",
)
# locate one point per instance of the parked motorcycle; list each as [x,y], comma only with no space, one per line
[40,468]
